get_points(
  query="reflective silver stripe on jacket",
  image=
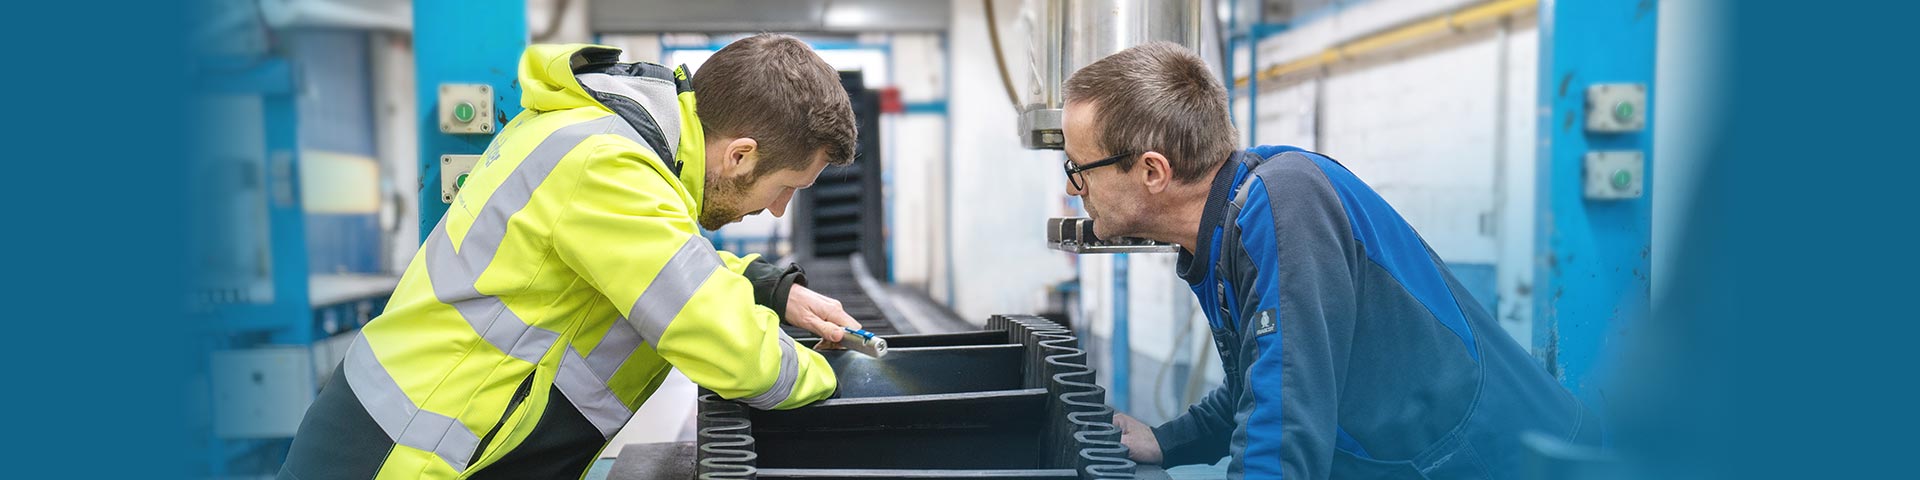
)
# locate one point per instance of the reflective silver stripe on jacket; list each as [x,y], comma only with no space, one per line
[783,387]
[404,423]
[453,273]
[689,268]
[655,309]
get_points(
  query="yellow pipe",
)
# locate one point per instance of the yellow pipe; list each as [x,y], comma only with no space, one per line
[1449,22]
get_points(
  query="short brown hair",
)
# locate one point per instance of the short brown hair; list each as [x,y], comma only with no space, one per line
[774,89]
[1158,97]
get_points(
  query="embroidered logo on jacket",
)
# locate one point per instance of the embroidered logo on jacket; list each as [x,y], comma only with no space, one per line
[1264,325]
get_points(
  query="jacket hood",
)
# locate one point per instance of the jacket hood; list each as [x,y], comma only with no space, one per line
[655,100]
[546,75]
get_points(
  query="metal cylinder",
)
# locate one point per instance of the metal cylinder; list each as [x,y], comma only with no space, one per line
[864,342]
[1069,34]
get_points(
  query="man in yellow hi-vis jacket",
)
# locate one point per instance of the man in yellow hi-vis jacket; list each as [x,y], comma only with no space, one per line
[569,274]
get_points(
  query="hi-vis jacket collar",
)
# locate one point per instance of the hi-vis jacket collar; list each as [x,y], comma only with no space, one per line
[648,96]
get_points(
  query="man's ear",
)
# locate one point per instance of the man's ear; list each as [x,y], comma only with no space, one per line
[742,155]
[1155,172]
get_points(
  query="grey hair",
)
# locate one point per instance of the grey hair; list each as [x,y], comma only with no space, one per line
[1158,97]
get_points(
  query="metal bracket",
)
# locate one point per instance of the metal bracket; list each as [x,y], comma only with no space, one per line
[1075,235]
[1041,128]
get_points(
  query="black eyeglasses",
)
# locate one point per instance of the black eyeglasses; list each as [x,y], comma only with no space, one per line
[1073,171]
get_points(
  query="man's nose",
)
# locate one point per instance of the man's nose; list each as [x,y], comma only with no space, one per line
[779,207]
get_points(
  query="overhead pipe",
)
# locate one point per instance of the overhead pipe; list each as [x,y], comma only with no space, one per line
[1450,22]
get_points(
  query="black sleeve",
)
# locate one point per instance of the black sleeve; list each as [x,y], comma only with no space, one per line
[1201,434]
[771,283]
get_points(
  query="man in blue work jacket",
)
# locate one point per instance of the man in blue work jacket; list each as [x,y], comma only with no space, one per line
[1350,350]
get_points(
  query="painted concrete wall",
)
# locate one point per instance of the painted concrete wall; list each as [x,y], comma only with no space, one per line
[1002,194]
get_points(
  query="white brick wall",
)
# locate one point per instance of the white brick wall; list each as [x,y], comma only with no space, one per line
[1443,130]
[1349,22]
[1287,116]
[1419,128]
[916,154]
[1242,111]
[1515,173]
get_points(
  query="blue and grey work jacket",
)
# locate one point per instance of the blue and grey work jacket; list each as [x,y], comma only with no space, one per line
[1350,350]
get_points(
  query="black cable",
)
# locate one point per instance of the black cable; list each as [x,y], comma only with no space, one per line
[999,60]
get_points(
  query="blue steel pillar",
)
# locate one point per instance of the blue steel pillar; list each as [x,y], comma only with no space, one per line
[286,215]
[1591,258]
[462,41]
[1122,339]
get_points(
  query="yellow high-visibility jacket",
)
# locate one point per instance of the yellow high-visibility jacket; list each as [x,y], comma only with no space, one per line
[566,278]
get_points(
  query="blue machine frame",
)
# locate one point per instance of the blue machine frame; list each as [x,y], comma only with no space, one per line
[284,320]
[442,29]
[1592,257]
[272,80]
[290,318]
[462,41]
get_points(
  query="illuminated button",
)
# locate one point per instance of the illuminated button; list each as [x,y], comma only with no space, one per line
[463,112]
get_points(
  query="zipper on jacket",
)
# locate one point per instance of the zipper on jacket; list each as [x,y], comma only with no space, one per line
[519,394]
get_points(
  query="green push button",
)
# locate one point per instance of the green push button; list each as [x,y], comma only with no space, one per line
[461,181]
[1620,179]
[1623,111]
[463,112]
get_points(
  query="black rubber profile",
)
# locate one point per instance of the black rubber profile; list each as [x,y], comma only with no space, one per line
[1004,427]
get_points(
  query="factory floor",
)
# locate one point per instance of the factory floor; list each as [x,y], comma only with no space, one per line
[667,416]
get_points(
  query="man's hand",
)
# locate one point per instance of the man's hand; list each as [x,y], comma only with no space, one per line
[1138,437]
[816,313]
